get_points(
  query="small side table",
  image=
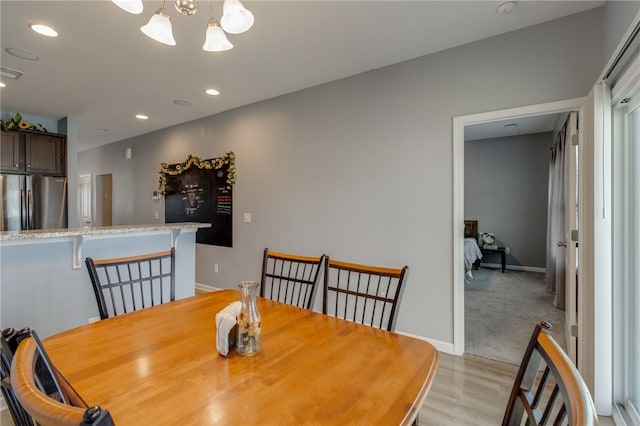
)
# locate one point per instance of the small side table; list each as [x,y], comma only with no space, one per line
[500,250]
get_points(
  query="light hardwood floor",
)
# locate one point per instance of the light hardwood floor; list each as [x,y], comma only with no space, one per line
[470,390]
[467,390]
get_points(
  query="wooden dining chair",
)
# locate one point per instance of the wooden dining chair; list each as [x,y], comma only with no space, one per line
[368,295]
[8,345]
[290,278]
[548,388]
[45,394]
[127,284]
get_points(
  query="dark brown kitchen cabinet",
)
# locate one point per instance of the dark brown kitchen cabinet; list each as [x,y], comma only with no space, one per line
[34,153]
[45,154]
[10,152]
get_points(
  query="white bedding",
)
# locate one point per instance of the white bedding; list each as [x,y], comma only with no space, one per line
[471,254]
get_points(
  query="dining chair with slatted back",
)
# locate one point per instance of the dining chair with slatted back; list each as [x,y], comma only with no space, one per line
[548,388]
[290,278]
[127,284]
[45,394]
[8,345]
[368,295]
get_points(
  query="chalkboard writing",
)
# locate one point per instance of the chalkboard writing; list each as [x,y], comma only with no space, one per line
[201,195]
[223,201]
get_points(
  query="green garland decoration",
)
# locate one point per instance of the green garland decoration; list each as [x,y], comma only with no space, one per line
[17,123]
[228,158]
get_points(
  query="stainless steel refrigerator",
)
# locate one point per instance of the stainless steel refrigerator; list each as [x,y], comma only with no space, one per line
[32,202]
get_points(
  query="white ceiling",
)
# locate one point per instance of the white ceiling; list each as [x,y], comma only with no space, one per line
[103,70]
[512,127]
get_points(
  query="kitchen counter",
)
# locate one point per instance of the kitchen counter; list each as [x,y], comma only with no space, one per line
[78,235]
[45,285]
[38,234]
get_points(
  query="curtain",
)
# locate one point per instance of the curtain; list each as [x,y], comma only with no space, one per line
[556,264]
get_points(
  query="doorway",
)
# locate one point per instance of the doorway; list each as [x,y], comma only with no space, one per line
[104,195]
[507,186]
[84,201]
[459,124]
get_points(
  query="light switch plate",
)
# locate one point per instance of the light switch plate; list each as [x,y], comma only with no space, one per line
[247,217]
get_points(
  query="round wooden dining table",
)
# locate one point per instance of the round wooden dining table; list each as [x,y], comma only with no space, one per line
[160,366]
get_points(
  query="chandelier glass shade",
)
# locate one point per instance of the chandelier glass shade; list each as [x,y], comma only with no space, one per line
[159,28]
[216,40]
[131,6]
[235,20]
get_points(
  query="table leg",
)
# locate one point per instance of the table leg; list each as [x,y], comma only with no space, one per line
[503,258]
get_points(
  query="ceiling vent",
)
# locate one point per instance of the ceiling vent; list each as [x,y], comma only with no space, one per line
[10,73]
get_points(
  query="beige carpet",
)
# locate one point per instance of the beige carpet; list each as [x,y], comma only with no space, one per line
[501,311]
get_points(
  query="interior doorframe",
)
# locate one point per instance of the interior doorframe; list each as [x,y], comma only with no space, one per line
[459,124]
[85,203]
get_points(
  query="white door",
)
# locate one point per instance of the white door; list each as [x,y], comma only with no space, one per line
[571,241]
[84,200]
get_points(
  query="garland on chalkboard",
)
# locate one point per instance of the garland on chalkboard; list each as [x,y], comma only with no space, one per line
[228,158]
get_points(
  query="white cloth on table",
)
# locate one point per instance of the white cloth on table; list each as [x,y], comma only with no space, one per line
[225,321]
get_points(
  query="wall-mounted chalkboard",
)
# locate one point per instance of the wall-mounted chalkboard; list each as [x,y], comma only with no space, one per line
[201,195]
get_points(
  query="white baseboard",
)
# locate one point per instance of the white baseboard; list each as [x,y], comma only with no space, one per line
[515,267]
[438,344]
[206,288]
[529,269]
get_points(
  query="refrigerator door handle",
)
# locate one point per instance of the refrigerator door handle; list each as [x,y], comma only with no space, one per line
[23,209]
[29,209]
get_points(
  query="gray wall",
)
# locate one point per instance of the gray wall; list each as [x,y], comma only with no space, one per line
[506,186]
[361,168]
[618,15]
[40,289]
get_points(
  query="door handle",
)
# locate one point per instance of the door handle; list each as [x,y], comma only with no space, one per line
[30,210]
[562,244]
[23,209]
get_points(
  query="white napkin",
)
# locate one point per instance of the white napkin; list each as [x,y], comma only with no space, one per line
[225,321]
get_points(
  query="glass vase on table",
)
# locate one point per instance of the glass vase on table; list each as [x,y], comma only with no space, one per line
[248,341]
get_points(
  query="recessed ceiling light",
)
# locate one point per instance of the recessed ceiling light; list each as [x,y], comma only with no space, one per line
[2,84]
[212,92]
[142,117]
[44,30]
[22,53]
[182,103]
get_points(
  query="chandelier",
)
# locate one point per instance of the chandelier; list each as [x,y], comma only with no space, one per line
[235,20]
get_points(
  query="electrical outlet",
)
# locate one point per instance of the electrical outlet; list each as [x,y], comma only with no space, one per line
[247,217]
[215,268]
[156,215]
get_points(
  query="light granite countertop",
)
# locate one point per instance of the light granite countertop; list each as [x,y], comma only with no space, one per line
[40,234]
